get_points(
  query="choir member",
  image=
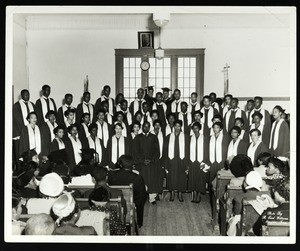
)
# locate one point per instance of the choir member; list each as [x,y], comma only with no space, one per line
[20,111]
[85,107]
[104,130]
[154,114]
[226,105]
[73,147]
[166,99]
[244,134]
[257,124]
[119,99]
[171,117]
[30,137]
[61,110]
[280,134]
[135,129]
[174,106]
[108,116]
[146,154]
[105,97]
[219,101]
[218,146]
[95,143]
[161,107]
[136,105]
[194,105]
[85,121]
[197,117]
[256,146]
[58,143]
[176,155]
[185,116]
[216,118]
[149,96]
[197,159]
[236,145]
[138,116]
[69,114]
[123,107]
[146,113]
[214,104]
[47,133]
[233,113]
[44,104]
[119,118]
[117,146]
[208,113]
[249,108]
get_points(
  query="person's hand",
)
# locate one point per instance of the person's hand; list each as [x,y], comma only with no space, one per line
[44,159]
[187,171]
[206,168]
[166,171]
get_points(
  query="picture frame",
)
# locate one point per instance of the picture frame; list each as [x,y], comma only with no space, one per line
[146,39]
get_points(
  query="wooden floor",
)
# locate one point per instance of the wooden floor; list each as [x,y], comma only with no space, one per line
[178,218]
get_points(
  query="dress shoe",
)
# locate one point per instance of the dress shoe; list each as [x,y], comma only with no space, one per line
[198,197]
[193,197]
[172,196]
[153,202]
[180,197]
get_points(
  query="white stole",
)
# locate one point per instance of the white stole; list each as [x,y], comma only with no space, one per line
[189,119]
[95,145]
[262,111]
[172,146]
[215,145]
[276,134]
[238,114]
[198,107]
[169,129]
[242,134]
[251,151]
[232,148]
[51,127]
[128,115]
[61,144]
[154,107]
[216,106]
[24,110]
[118,108]
[110,104]
[136,105]
[210,115]
[211,131]
[109,118]
[225,109]
[199,148]
[34,138]
[114,157]
[149,119]
[44,107]
[77,148]
[86,129]
[260,128]
[160,138]
[86,110]
[64,108]
[105,133]
[173,106]
[124,130]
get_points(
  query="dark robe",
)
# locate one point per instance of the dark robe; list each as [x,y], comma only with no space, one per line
[206,128]
[45,139]
[267,125]
[39,111]
[127,151]
[176,167]
[260,149]
[97,107]
[197,178]
[232,119]
[149,100]
[81,133]
[125,120]
[241,148]
[79,113]
[104,159]
[54,146]
[283,146]
[245,137]
[24,141]
[161,116]
[147,147]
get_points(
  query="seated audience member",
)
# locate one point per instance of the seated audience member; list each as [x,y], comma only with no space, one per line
[62,169]
[261,163]
[256,146]
[99,202]
[27,156]
[125,176]
[40,224]
[65,212]
[86,165]
[58,143]
[135,129]
[51,186]
[17,226]
[244,133]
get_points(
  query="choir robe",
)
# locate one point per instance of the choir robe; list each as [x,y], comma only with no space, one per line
[162,109]
[186,121]
[198,155]
[168,102]
[230,117]
[147,147]
[134,106]
[47,136]
[244,136]
[217,162]
[19,119]
[83,131]
[108,118]
[126,129]
[208,114]
[266,121]
[107,133]
[216,106]
[82,108]
[281,142]
[111,105]
[55,146]
[172,107]
[265,136]
[25,142]
[61,114]
[239,147]
[249,119]
[194,107]
[168,130]
[71,154]
[41,113]
[150,100]
[127,117]
[110,151]
[225,109]
[261,148]
[176,166]
[98,146]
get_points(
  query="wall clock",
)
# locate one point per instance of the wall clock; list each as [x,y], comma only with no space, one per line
[145,65]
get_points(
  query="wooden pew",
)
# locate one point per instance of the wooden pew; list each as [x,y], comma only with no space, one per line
[275,228]
[248,218]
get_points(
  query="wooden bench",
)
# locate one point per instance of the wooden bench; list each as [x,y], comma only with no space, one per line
[248,218]
[276,228]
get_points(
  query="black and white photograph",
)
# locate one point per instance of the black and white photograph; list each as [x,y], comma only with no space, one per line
[187,135]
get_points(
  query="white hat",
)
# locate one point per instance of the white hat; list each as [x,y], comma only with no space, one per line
[51,185]
[254,180]
[64,205]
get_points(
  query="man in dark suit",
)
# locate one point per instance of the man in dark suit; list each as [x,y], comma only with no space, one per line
[125,176]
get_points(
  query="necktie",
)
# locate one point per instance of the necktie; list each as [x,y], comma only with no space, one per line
[231,119]
[102,137]
[196,149]
[88,107]
[27,107]
[273,134]
[216,149]
[48,105]
[177,103]
[140,105]
[193,108]
[185,122]
[118,148]
[206,116]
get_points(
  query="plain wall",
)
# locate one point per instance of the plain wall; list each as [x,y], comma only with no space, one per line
[258,59]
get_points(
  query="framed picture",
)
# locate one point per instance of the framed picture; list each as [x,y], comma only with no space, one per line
[146,39]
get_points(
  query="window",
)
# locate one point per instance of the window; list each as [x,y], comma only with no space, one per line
[186,76]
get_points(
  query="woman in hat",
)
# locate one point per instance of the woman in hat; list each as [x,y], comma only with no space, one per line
[83,132]
[171,117]
[176,155]
[17,226]
[256,146]
[66,212]
[30,135]
[58,143]
[280,134]
[257,124]
[135,129]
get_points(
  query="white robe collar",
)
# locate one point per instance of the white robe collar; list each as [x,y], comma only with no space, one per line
[171,148]
[276,134]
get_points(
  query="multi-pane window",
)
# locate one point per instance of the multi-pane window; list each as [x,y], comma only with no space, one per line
[132,77]
[186,76]
[160,73]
